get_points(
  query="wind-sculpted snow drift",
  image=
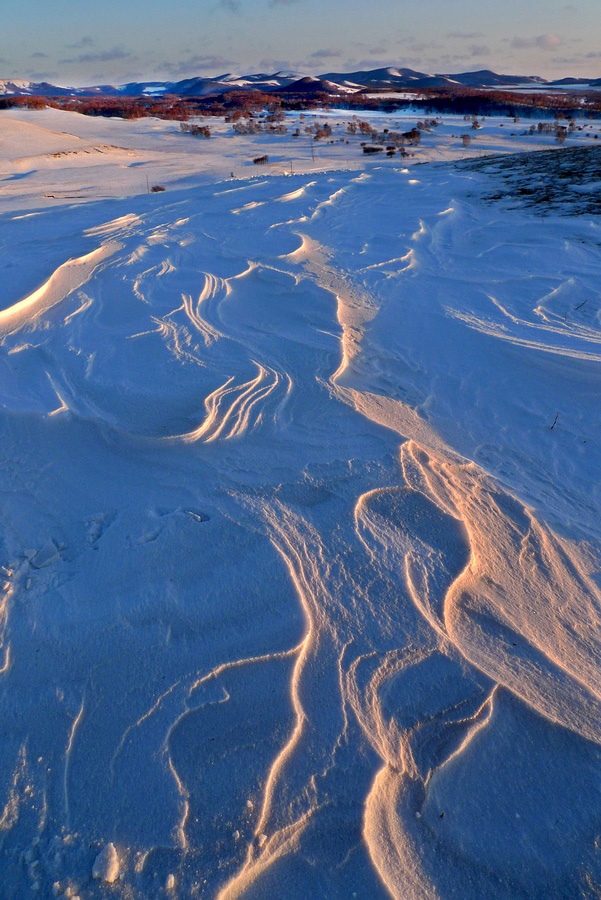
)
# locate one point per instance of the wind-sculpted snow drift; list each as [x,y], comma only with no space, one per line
[300,539]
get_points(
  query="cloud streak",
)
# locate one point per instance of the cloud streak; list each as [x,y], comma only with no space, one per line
[325,54]
[82,43]
[116,53]
[197,63]
[479,50]
[540,42]
[465,35]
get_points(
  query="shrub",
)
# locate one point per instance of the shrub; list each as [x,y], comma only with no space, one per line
[197,130]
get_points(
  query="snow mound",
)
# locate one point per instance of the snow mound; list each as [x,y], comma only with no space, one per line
[106,865]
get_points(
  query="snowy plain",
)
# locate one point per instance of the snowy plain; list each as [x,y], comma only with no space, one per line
[299,515]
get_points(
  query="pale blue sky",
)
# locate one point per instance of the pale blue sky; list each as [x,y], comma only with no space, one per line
[74,42]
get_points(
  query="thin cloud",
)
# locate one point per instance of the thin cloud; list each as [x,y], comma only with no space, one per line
[196,63]
[361,65]
[424,46]
[580,61]
[43,76]
[82,43]
[380,49]
[479,50]
[465,35]
[324,54]
[103,56]
[445,64]
[39,55]
[269,64]
[540,42]
[418,46]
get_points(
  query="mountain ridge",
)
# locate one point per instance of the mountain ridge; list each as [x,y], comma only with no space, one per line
[384,78]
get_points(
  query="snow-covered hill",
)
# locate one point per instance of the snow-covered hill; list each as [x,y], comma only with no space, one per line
[383,78]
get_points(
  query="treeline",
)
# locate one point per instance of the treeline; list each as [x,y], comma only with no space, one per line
[238,104]
[168,106]
[24,102]
[465,101]
[110,107]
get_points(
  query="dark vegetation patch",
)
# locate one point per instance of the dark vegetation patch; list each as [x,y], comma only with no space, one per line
[435,101]
[566,180]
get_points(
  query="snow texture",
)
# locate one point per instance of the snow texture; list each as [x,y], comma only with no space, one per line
[299,526]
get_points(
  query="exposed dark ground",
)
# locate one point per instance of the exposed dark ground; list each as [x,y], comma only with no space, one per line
[566,180]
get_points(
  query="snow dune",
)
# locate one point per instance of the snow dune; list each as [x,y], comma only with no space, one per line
[300,543]
[70,276]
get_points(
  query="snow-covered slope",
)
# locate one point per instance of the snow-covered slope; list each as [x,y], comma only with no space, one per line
[300,541]
[388,77]
[21,87]
[486,78]
[197,86]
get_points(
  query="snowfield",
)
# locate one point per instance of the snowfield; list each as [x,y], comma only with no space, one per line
[300,515]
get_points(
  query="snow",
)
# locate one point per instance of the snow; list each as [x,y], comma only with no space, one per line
[299,525]
[53,156]
[106,865]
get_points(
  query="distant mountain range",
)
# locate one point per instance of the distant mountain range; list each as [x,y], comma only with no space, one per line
[390,78]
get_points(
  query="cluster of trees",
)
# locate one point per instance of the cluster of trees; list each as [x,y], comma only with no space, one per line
[474,102]
[247,126]
[378,141]
[356,125]
[167,107]
[197,130]
[393,139]
[319,132]
[24,102]
[257,126]
[560,131]
[273,123]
